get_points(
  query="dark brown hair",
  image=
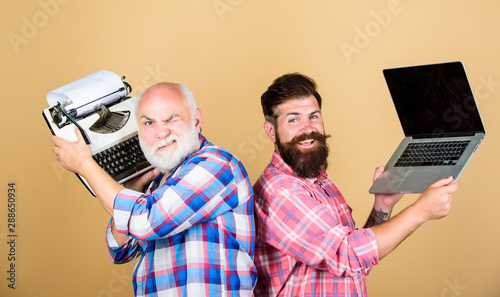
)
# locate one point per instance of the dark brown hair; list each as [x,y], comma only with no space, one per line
[284,88]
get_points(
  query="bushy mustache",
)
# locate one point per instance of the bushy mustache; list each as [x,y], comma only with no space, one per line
[313,135]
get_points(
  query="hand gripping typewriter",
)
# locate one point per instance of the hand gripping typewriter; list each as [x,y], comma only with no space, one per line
[106,117]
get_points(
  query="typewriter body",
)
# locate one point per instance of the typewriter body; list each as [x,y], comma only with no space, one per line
[106,117]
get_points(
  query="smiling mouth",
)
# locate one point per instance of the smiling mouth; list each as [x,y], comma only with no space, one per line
[306,143]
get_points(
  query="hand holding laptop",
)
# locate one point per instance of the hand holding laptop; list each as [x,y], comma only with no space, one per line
[435,202]
[387,200]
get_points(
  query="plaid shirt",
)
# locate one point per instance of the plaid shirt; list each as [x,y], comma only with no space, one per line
[194,234]
[306,241]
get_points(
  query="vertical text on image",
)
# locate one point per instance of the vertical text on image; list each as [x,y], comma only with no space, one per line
[11,233]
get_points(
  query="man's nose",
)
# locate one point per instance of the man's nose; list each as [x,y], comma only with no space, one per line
[307,127]
[162,132]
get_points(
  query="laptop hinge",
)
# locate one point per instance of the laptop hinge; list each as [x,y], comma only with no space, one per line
[441,135]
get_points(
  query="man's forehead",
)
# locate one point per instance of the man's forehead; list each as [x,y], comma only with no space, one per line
[162,92]
[302,105]
[162,96]
[161,105]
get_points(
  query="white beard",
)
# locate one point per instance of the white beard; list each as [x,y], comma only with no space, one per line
[167,161]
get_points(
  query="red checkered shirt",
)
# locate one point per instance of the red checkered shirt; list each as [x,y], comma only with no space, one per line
[306,240]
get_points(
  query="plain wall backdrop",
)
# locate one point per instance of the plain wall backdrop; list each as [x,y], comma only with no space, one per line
[228,52]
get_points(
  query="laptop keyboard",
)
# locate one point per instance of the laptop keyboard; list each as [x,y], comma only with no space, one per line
[123,159]
[432,153]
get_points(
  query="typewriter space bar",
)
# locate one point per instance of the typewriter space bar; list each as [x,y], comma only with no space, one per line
[136,168]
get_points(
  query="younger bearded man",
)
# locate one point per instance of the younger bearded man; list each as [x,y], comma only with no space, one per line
[306,240]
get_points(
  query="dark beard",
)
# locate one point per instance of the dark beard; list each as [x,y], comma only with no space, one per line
[306,164]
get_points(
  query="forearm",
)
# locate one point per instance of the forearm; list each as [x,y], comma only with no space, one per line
[391,233]
[381,212]
[122,248]
[105,187]
[120,238]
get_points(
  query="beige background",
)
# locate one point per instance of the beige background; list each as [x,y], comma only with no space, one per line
[228,52]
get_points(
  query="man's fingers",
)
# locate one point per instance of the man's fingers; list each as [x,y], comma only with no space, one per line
[378,171]
[442,182]
[79,136]
[56,140]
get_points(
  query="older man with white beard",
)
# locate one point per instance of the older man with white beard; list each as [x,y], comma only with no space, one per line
[193,228]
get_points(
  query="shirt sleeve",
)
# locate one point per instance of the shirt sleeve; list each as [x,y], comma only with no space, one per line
[128,251]
[305,229]
[200,190]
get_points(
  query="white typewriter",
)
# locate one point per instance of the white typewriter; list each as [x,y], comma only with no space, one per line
[98,105]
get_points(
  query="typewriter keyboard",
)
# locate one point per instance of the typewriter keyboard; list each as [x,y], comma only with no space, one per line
[123,159]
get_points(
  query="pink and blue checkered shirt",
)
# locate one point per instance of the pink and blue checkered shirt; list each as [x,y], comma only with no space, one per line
[306,240]
[194,234]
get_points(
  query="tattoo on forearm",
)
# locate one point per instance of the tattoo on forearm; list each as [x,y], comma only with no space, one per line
[376,217]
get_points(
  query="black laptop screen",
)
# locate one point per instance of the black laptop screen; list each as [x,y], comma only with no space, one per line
[434,100]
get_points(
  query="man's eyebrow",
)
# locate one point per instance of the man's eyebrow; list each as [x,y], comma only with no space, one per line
[295,113]
[166,120]
[171,117]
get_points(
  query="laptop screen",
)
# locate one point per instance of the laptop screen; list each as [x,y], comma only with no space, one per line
[434,100]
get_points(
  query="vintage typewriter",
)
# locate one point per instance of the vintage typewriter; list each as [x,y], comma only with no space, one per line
[99,106]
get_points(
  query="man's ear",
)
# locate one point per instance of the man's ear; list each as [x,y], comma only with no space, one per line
[270,131]
[198,120]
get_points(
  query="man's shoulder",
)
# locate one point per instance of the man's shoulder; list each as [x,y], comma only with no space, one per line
[273,178]
[215,152]
[216,158]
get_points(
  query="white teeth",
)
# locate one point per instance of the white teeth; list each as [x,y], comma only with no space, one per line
[164,144]
[306,141]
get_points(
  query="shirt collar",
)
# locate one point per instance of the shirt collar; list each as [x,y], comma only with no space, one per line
[278,162]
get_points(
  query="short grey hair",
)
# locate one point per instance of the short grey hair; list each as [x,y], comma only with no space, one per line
[190,100]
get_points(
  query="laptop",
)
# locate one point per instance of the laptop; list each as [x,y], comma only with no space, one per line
[441,124]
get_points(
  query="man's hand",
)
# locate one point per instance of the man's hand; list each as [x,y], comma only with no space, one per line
[72,155]
[385,201]
[383,204]
[433,204]
[77,157]
[138,183]
[436,201]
